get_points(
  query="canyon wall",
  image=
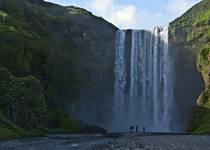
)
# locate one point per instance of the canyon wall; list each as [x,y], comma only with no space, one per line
[190,43]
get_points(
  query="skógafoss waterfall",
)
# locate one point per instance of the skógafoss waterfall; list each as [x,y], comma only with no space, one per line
[143,88]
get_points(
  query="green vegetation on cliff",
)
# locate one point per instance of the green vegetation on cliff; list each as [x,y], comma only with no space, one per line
[193,28]
[22,105]
[23,109]
[23,100]
[8,129]
[49,55]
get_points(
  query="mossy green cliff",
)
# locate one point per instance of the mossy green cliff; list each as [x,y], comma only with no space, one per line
[192,32]
[23,109]
[22,105]
[23,100]
[50,55]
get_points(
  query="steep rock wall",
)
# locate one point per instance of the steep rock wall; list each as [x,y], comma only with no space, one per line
[190,40]
[68,49]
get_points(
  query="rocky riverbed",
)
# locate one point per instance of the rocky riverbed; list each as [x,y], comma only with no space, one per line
[111,142]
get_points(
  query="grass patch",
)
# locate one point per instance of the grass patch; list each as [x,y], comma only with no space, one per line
[60,122]
[204,126]
[8,129]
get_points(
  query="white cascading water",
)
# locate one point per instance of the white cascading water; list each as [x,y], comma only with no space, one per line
[148,100]
[120,74]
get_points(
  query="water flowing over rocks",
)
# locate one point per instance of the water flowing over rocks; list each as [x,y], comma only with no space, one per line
[143,86]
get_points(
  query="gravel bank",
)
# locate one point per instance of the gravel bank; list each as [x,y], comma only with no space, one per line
[98,142]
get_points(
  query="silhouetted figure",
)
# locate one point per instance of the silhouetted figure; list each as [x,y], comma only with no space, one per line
[144,129]
[131,129]
[137,129]
[84,34]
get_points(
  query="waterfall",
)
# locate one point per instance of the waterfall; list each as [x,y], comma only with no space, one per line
[120,74]
[148,100]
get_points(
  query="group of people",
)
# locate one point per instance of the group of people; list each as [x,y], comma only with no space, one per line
[137,129]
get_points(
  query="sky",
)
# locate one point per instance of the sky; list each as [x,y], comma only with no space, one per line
[134,14]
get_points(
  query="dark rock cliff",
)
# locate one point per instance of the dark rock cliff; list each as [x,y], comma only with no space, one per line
[190,44]
[69,50]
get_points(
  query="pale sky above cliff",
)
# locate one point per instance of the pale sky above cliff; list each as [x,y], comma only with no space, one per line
[135,14]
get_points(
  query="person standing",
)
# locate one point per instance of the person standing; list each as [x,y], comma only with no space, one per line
[144,129]
[131,129]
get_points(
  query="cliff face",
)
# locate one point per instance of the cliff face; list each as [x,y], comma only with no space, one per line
[190,38]
[67,49]
[23,100]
